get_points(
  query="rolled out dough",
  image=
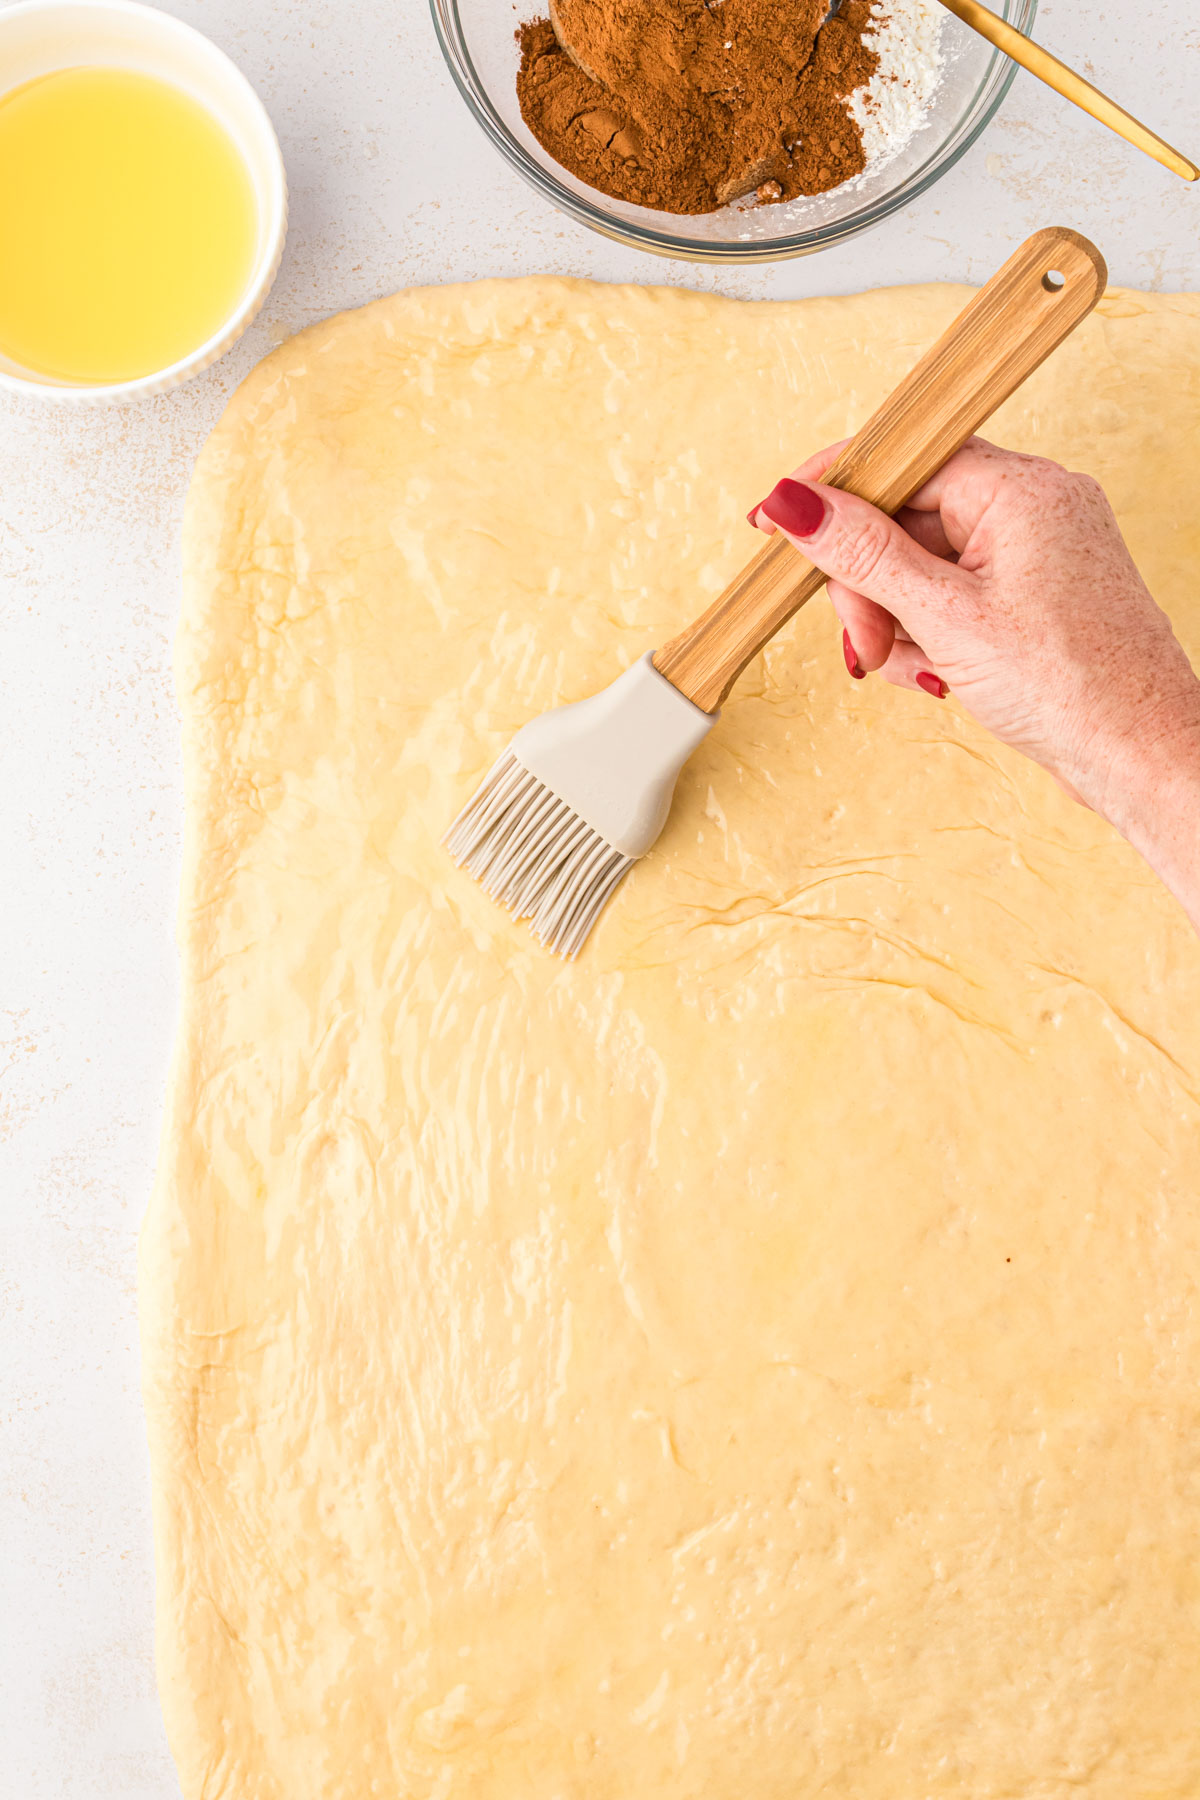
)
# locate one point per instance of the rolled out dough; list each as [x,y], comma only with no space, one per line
[761,1361]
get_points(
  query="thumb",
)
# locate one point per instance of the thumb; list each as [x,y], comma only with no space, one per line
[855,544]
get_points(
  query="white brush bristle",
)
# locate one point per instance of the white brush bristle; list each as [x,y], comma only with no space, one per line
[535,856]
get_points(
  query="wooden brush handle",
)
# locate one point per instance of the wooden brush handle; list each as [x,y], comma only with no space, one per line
[1009,328]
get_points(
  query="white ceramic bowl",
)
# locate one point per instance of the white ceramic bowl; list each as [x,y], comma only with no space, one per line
[38,36]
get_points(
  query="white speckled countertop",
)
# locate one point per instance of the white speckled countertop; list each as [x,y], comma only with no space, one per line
[392,184]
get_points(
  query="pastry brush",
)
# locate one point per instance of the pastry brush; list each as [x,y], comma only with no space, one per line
[582,792]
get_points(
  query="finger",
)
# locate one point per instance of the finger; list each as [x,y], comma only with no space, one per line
[859,546]
[868,630]
[969,482]
[909,667]
[928,530]
[974,456]
[812,470]
[815,467]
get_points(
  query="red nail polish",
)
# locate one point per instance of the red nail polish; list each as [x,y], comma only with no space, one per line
[752,515]
[933,684]
[851,656]
[794,506]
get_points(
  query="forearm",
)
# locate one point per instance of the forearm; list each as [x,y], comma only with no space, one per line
[1157,808]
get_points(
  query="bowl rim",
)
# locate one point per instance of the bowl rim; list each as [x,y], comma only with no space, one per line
[266,263]
[636,236]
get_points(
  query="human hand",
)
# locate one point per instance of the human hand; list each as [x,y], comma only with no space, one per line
[1006,580]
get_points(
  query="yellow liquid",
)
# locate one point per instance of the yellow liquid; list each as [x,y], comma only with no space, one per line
[128,225]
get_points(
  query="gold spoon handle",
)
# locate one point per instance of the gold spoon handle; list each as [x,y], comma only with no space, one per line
[1071,86]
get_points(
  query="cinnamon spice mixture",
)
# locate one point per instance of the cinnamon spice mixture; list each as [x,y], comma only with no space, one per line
[684,105]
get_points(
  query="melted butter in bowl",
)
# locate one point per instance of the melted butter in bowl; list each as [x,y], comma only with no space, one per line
[128,224]
[143,200]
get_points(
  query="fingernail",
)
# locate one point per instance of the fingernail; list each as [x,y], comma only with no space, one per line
[933,684]
[752,515]
[795,507]
[851,656]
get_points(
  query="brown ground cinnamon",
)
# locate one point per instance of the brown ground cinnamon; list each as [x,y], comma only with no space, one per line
[683,105]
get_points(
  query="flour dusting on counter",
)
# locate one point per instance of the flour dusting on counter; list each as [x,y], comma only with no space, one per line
[894,104]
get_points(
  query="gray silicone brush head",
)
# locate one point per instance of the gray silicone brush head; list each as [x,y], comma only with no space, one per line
[576,799]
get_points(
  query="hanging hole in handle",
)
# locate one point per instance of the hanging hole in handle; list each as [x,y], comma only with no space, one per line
[1054,281]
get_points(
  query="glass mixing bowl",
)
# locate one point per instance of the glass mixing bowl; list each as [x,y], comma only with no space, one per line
[478,42]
